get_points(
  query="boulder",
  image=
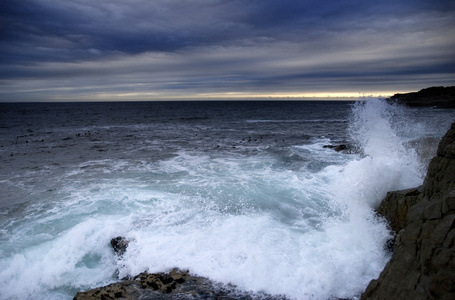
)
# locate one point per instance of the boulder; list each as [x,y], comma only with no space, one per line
[423,261]
[119,244]
[395,206]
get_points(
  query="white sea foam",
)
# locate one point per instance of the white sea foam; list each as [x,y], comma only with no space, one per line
[382,131]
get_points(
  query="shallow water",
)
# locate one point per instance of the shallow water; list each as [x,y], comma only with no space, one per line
[239,192]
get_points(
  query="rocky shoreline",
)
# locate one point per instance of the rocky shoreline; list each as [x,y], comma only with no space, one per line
[422,265]
[175,284]
[423,261]
[438,96]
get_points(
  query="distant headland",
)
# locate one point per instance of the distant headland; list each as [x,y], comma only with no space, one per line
[437,96]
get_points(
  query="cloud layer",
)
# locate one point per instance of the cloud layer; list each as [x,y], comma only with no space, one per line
[140,49]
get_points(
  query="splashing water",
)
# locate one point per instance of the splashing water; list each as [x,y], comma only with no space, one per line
[382,131]
[284,216]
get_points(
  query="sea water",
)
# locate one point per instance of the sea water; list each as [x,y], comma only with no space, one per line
[239,192]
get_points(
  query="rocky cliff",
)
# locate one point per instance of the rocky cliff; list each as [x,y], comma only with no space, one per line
[438,96]
[423,261]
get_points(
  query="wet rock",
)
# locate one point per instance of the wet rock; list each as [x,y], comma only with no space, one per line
[119,244]
[176,284]
[423,262]
[395,206]
[113,291]
[338,148]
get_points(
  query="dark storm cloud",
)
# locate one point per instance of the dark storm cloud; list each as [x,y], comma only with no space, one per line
[71,27]
[216,46]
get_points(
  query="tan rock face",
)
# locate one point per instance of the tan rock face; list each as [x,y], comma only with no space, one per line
[423,262]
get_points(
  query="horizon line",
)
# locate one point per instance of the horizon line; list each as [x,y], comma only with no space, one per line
[164,98]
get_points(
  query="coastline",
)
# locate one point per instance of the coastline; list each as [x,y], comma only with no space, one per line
[437,96]
[422,265]
[422,218]
[423,261]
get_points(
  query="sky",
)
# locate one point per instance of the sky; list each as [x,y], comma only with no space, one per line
[120,50]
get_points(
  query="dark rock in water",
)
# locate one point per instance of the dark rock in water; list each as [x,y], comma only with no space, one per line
[340,147]
[176,284]
[439,96]
[423,262]
[119,244]
[337,148]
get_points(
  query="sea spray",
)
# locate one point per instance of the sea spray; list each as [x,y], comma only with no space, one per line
[261,204]
[342,226]
[381,132]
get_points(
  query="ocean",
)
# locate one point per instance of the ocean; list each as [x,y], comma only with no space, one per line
[240,192]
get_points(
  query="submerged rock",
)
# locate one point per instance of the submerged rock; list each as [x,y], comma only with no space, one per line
[423,262]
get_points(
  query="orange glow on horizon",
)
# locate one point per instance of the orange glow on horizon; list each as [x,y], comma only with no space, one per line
[241,95]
